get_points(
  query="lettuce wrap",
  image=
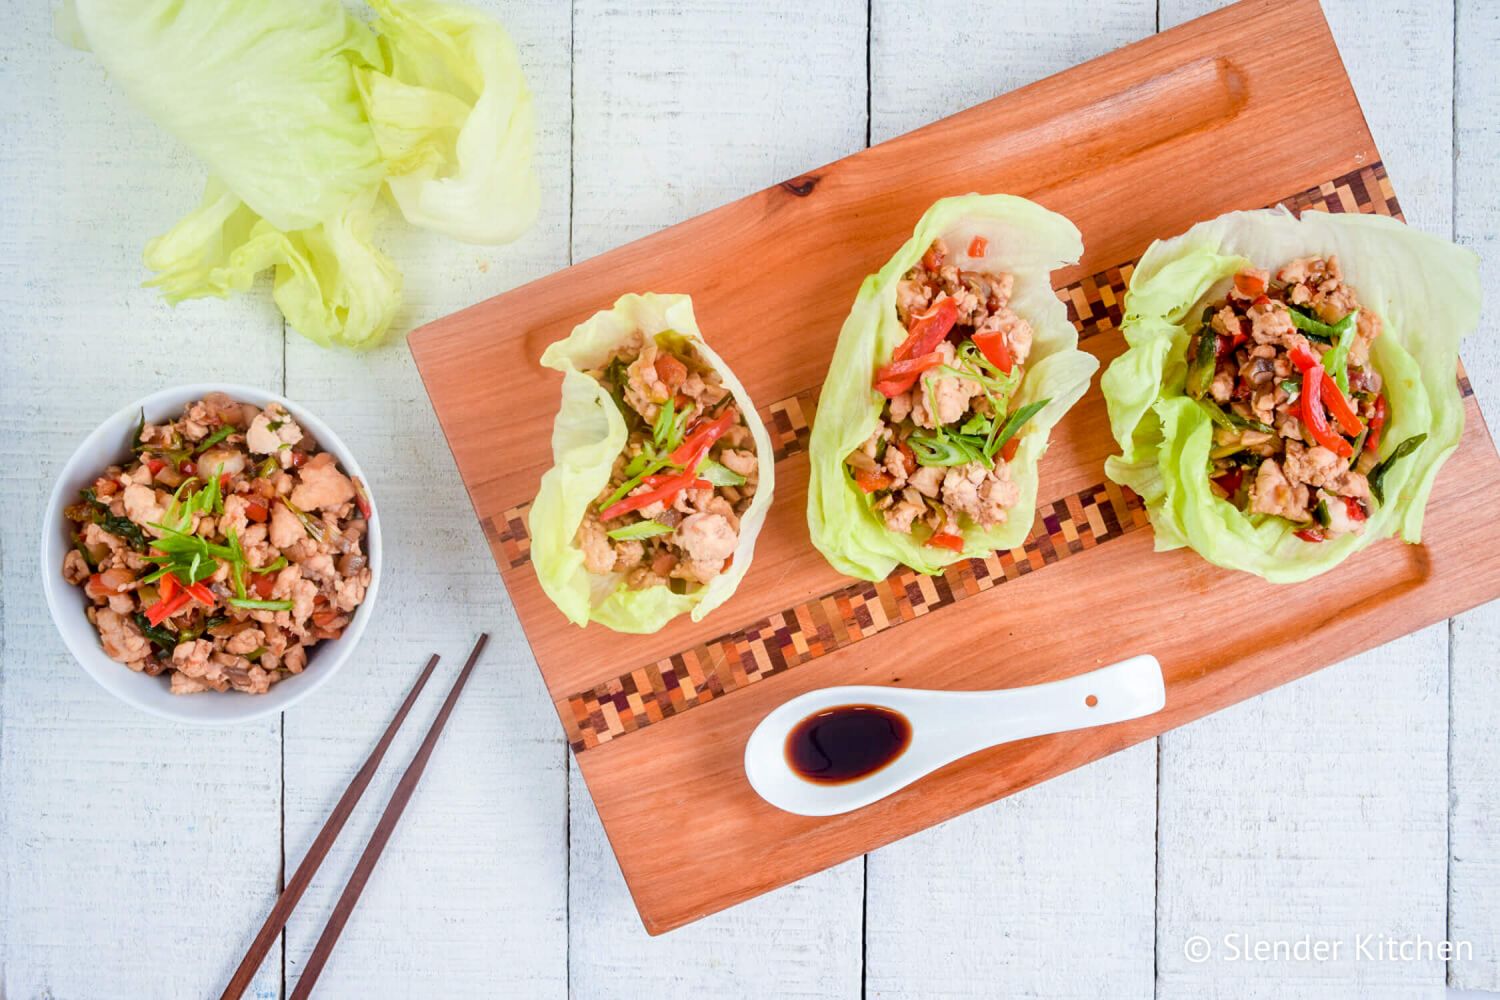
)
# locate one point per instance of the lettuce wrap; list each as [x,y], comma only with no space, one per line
[1424,296]
[617,446]
[852,519]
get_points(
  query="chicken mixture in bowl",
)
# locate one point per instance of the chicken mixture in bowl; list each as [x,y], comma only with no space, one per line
[947,432]
[1282,365]
[225,549]
[670,513]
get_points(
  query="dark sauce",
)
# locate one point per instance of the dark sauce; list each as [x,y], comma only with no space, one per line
[846,743]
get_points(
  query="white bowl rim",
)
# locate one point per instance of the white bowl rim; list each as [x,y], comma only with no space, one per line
[231,707]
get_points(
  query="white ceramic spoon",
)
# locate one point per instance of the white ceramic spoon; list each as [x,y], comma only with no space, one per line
[945,725]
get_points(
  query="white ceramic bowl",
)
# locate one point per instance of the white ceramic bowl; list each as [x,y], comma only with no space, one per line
[110,445]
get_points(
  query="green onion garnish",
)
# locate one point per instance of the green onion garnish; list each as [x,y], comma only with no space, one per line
[240,602]
[640,529]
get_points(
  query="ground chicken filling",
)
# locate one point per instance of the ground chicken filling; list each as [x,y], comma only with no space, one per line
[939,459]
[670,514]
[1283,367]
[227,548]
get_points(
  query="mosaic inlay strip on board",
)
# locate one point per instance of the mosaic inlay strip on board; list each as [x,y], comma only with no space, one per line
[791,637]
[1094,307]
[1095,302]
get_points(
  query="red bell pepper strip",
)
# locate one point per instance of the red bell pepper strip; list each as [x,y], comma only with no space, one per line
[169,586]
[1333,397]
[155,465]
[899,376]
[873,480]
[1338,405]
[1377,423]
[1314,417]
[701,438]
[1309,535]
[1230,481]
[1314,381]
[932,260]
[1355,509]
[264,584]
[992,345]
[162,610]
[201,594]
[1009,449]
[978,246]
[945,540]
[664,491]
[928,329]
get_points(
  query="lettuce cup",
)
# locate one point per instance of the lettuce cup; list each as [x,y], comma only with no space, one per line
[662,472]
[951,370]
[1289,391]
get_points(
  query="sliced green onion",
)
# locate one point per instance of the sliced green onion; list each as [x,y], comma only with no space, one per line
[978,424]
[275,565]
[313,529]
[942,448]
[665,417]
[632,483]
[1230,420]
[213,439]
[1336,361]
[718,474]
[240,602]
[1322,331]
[1018,420]
[1378,474]
[640,529]
[1200,376]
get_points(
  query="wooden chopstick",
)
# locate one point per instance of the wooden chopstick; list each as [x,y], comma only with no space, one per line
[382,835]
[302,877]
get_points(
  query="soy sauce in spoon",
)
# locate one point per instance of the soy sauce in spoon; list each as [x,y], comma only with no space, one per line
[846,743]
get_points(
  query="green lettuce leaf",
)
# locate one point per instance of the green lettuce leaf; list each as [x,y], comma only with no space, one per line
[453,119]
[1426,292]
[262,91]
[331,283]
[1028,241]
[587,436]
[302,114]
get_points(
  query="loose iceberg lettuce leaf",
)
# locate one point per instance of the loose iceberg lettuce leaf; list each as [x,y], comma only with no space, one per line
[262,92]
[1426,292]
[587,436]
[302,114]
[453,119]
[331,283]
[1024,239]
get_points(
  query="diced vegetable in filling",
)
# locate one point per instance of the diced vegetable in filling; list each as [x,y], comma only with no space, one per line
[1283,367]
[226,548]
[938,460]
[670,515]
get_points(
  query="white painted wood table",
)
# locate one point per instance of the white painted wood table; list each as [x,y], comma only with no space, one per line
[139,856]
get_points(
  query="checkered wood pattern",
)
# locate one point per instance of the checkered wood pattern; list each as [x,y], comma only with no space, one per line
[835,621]
[1096,303]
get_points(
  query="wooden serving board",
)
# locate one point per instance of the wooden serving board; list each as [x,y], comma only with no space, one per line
[1244,108]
